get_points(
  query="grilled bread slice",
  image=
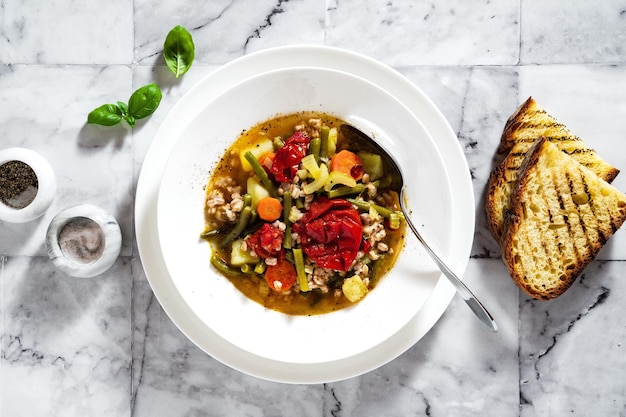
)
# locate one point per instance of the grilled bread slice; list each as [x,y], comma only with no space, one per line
[524,127]
[560,217]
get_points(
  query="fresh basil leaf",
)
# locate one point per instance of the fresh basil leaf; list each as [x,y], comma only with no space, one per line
[144,101]
[130,120]
[178,50]
[106,115]
[123,108]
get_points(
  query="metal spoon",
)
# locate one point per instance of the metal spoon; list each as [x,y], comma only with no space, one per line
[350,134]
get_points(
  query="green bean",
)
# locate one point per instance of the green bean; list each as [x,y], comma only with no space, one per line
[324,141]
[298,258]
[207,234]
[286,210]
[376,271]
[223,267]
[278,143]
[242,222]
[246,268]
[366,205]
[289,256]
[260,267]
[357,189]
[260,171]
[346,190]
[394,220]
[314,148]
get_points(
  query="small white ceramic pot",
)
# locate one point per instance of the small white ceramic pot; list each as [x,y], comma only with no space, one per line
[44,192]
[83,241]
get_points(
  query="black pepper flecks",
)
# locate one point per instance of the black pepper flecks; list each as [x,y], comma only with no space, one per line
[18,184]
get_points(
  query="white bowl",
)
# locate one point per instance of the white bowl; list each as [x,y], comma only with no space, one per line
[244,323]
[46,190]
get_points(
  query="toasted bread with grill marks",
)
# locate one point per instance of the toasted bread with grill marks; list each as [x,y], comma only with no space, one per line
[523,128]
[561,215]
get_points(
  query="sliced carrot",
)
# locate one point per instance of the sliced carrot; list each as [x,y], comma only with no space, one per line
[282,276]
[269,209]
[347,162]
[266,160]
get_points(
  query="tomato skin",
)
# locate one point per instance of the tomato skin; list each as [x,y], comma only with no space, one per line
[282,276]
[331,233]
[287,159]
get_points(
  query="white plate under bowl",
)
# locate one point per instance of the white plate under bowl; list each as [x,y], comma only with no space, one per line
[187,108]
[245,323]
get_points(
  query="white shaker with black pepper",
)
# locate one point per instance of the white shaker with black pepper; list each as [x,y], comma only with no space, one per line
[27,185]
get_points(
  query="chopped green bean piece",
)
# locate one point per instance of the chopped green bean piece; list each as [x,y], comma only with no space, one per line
[278,143]
[223,267]
[207,234]
[289,256]
[299,262]
[246,268]
[383,211]
[346,190]
[314,148]
[260,171]
[376,271]
[286,211]
[242,222]
[260,267]
[394,220]
[324,142]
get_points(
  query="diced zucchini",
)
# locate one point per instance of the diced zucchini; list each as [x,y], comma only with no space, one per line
[354,288]
[256,191]
[258,150]
[372,164]
[238,256]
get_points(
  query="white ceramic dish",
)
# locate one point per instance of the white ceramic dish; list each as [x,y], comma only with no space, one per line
[111,241]
[461,222]
[180,213]
[46,190]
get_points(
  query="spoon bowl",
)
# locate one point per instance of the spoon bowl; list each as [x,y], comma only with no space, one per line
[352,134]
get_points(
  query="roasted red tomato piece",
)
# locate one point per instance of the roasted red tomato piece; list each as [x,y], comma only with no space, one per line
[287,158]
[331,233]
[267,242]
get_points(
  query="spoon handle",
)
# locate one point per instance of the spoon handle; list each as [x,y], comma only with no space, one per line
[474,304]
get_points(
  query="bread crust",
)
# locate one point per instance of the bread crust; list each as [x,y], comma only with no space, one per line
[527,124]
[513,124]
[532,172]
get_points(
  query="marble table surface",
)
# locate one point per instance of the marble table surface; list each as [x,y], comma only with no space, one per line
[105,347]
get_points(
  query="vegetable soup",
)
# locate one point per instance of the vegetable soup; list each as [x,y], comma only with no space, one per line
[298,219]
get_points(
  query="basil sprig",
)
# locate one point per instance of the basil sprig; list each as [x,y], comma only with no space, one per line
[178,50]
[142,103]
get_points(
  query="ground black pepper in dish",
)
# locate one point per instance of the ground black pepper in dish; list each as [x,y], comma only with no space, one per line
[18,184]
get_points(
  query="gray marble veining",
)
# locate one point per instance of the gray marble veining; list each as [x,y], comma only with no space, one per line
[105,347]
